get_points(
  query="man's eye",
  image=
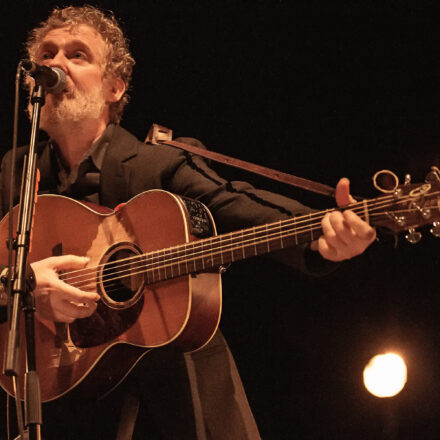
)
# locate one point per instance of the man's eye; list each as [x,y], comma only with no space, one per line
[79,55]
[46,56]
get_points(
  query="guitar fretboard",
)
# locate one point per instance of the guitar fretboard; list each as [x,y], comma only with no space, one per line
[224,249]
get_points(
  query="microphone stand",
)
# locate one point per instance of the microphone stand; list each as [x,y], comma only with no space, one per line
[23,282]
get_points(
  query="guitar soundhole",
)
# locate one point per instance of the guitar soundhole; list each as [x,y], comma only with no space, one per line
[121,278]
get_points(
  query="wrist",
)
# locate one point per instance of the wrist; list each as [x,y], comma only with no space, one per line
[3,282]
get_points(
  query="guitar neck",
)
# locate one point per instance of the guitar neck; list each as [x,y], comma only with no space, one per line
[397,211]
[221,250]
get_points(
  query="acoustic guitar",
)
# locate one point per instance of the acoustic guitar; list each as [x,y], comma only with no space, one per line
[156,263]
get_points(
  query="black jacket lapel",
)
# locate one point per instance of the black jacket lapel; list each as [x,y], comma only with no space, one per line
[115,172]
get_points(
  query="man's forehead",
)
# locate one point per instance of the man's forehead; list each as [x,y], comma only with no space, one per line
[76,33]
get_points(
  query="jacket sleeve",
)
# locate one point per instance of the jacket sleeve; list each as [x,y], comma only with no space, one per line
[237,205]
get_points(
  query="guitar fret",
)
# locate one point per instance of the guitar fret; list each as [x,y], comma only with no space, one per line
[201,258]
[243,253]
[194,259]
[152,273]
[208,256]
[232,247]
[262,241]
[366,213]
[177,263]
[212,255]
[281,235]
[267,240]
[255,244]
[159,266]
[295,231]
[221,250]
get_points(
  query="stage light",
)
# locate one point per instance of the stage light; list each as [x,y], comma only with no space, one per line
[385,375]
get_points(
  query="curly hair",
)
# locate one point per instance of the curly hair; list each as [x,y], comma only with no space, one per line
[119,62]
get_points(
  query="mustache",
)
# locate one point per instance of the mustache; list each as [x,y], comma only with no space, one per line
[73,91]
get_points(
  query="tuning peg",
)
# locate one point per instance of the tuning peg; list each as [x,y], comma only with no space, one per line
[407,179]
[413,236]
[435,230]
[433,176]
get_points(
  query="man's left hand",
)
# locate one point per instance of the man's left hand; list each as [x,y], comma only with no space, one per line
[345,234]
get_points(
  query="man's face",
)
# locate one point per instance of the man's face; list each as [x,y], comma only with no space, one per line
[80,52]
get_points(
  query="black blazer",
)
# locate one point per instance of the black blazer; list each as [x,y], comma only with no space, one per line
[131,167]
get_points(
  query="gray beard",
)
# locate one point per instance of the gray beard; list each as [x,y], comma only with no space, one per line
[76,106]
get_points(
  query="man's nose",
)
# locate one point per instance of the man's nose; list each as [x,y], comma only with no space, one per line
[59,60]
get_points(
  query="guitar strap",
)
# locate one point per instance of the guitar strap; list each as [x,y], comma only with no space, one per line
[162,135]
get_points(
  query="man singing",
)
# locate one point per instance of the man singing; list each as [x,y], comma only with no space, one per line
[90,157]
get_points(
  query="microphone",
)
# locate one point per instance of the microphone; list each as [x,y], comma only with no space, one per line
[52,79]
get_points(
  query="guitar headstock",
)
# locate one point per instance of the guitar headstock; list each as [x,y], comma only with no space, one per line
[408,206]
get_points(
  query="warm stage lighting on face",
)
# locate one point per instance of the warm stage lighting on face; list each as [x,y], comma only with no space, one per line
[385,375]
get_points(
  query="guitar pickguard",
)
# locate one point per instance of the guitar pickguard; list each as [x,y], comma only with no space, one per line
[199,218]
[104,325]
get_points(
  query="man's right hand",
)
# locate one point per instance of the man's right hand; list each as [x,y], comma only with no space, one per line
[57,300]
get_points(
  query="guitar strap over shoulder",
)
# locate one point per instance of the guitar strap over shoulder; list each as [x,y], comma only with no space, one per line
[162,135]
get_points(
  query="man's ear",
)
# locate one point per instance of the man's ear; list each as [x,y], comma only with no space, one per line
[115,89]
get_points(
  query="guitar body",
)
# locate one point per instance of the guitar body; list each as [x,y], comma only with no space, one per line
[134,314]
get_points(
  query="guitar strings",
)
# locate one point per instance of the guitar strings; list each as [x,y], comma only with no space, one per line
[108,290]
[158,268]
[229,240]
[296,221]
[194,258]
[130,273]
[212,243]
[227,246]
[191,256]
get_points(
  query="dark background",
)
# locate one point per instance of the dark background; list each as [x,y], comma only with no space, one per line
[322,90]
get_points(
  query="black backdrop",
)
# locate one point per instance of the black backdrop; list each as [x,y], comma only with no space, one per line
[322,90]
